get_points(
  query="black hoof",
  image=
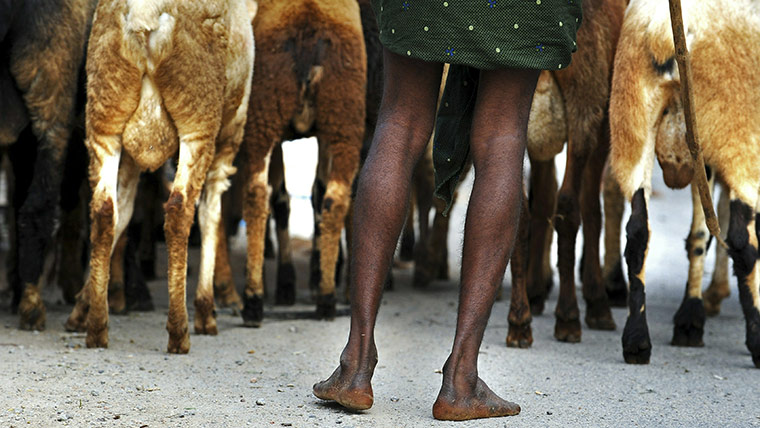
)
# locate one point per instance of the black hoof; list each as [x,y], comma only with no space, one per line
[326,307]
[253,311]
[286,285]
[599,315]
[689,323]
[753,334]
[637,348]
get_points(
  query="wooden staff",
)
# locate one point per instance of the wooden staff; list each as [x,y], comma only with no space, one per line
[692,138]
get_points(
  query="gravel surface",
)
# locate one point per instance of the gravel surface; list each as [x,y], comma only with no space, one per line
[263,377]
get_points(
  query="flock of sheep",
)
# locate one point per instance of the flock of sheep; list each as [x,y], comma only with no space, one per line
[175,79]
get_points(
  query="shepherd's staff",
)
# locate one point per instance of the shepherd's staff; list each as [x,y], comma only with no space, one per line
[692,138]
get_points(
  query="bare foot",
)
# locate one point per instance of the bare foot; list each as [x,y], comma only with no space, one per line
[349,386]
[352,392]
[479,402]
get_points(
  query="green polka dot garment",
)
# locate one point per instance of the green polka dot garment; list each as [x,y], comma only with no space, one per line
[484,34]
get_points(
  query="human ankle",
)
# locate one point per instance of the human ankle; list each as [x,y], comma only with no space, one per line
[457,375]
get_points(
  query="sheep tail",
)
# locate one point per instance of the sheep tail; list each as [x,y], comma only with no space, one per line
[150,30]
[310,71]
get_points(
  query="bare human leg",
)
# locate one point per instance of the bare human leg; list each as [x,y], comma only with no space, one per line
[405,122]
[498,145]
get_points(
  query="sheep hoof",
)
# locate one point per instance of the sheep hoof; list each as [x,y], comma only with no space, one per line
[76,321]
[753,334]
[637,348]
[32,318]
[253,311]
[97,337]
[326,307]
[688,323]
[117,302]
[712,299]
[205,317]
[599,316]
[31,310]
[207,326]
[519,336]
[286,285]
[227,297]
[179,344]
[567,330]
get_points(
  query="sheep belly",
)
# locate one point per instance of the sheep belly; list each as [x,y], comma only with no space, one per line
[547,129]
[149,136]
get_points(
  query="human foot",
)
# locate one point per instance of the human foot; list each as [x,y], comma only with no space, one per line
[350,384]
[474,403]
[353,392]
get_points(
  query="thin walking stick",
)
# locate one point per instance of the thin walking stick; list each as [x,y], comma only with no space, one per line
[692,138]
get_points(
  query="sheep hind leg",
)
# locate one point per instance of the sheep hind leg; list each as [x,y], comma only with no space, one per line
[719,286]
[337,199]
[520,334]
[598,313]
[318,190]
[334,210]
[542,199]
[743,242]
[117,183]
[612,273]
[224,286]
[285,293]
[689,320]
[256,213]
[637,347]
[567,221]
[209,216]
[194,160]
[117,303]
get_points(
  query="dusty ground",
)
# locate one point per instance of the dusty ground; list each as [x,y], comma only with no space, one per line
[262,377]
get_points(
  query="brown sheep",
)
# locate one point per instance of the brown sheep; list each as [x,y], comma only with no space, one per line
[309,80]
[42,48]
[580,94]
[163,77]
[727,107]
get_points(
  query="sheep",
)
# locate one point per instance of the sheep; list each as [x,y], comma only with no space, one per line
[674,158]
[163,77]
[579,94]
[42,48]
[309,80]
[645,79]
